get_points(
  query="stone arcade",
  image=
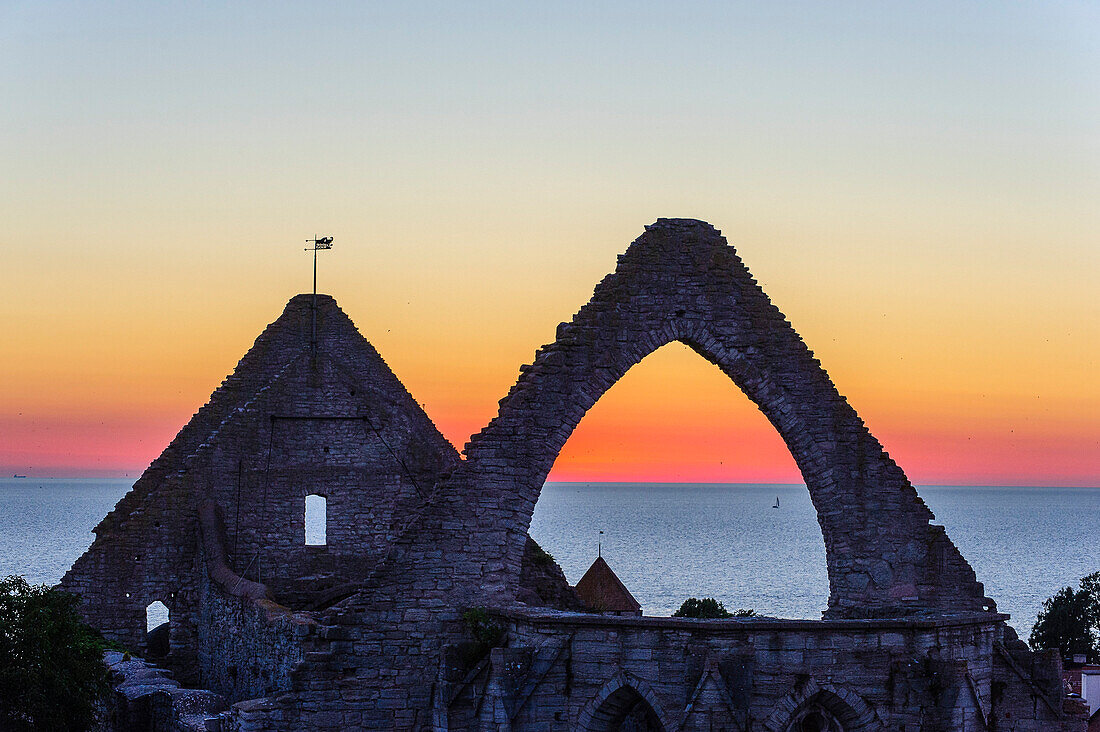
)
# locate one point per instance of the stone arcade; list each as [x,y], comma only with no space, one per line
[372,629]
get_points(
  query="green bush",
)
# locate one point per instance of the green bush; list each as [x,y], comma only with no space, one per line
[708,607]
[52,675]
[1070,620]
[481,626]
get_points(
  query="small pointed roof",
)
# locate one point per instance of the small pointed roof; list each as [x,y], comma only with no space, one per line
[600,589]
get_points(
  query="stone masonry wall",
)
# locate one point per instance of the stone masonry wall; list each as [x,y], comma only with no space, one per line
[150,556]
[286,423]
[926,674]
[339,441]
[681,281]
[564,671]
[249,648]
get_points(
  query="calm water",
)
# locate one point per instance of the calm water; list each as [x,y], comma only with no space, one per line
[669,542]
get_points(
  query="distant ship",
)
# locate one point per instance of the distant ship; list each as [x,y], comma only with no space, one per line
[19,476]
[776,502]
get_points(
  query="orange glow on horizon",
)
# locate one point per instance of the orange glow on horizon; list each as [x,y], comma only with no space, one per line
[672,418]
[675,418]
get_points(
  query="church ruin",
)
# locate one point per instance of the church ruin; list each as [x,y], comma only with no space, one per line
[428,605]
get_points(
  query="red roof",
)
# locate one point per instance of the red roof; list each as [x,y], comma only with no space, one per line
[602,591]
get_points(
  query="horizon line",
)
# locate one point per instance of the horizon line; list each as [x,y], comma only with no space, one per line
[18,476]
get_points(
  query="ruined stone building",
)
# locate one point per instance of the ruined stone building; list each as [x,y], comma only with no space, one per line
[428,606]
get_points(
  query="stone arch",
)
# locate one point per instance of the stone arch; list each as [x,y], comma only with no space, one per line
[681,281]
[843,708]
[620,698]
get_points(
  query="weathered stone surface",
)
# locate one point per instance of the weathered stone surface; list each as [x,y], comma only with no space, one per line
[145,697]
[287,423]
[542,582]
[373,630]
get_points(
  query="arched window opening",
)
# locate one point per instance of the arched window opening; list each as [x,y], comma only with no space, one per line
[682,473]
[625,710]
[815,719]
[157,629]
[811,708]
[316,520]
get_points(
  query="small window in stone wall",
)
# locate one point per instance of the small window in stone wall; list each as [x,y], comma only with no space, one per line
[156,615]
[316,520]
[157,629]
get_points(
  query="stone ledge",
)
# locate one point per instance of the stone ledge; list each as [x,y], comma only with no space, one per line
[739,625]
[146,697]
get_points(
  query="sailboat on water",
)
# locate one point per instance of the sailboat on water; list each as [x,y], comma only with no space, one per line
[776,502]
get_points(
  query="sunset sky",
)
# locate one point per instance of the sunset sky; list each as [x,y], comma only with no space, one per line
[916,186]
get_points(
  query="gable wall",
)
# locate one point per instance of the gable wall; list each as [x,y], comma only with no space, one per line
[259,471]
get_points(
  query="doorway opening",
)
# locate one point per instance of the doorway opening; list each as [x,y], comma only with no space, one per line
[158,628]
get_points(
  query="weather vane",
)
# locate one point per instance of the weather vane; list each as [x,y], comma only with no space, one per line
[319,243]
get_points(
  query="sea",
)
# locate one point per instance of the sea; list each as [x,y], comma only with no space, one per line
[668,542]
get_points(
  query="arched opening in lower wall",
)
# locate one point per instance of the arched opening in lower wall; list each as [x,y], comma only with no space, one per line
[813,708]
[815,719]
[158,629]
[625,710]
[682,473]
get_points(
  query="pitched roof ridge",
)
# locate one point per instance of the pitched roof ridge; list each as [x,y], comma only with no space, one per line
[253,372]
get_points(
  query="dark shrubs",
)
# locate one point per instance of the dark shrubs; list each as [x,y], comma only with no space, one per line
[52,675]
[481,626]
[710,608]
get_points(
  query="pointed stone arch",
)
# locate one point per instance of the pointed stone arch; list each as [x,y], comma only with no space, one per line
[723,704]
[845,707]
[681,281]
[620,697]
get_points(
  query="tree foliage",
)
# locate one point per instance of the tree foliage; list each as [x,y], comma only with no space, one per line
[708,607]
[51,664]
[1070,620]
